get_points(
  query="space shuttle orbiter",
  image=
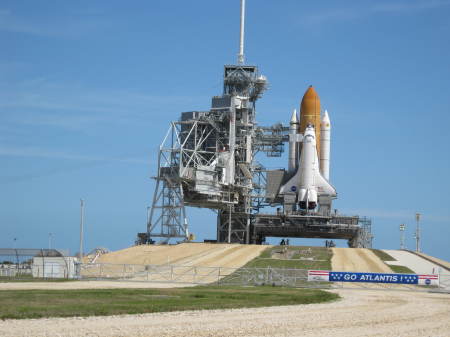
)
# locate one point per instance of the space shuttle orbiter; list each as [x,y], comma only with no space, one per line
[307,182]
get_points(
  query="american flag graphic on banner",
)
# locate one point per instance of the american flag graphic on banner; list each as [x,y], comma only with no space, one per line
[429,280]
[318,275]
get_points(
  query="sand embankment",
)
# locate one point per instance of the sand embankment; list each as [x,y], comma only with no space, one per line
[186,254]
[357,260]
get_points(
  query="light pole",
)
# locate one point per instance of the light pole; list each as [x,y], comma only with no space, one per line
[418,232]
[81,227]
[14,243]
[50,235]
[402,236]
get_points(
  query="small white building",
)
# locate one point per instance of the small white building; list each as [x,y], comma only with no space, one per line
[54,267]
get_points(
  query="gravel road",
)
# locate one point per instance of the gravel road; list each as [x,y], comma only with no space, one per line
[360,313]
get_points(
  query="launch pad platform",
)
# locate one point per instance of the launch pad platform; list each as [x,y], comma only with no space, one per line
[354,229]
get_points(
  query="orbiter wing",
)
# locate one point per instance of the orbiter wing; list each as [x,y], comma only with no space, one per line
[322,185]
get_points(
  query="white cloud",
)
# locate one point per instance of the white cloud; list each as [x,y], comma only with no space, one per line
[51,154]
[76,162]
[406,6]
[76,106]
[56,27]
[350,13]
[399,214]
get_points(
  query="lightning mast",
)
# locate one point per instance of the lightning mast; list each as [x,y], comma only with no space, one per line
[241,58]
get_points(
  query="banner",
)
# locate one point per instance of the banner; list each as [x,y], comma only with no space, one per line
[337,276]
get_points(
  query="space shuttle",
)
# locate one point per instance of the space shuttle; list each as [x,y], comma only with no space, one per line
[308,187]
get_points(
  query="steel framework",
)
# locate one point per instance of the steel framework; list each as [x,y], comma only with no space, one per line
[207,160]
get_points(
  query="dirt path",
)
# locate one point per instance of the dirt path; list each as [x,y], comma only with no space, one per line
[358,260]
[360,313]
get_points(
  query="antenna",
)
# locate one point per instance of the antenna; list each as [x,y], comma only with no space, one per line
[241,37]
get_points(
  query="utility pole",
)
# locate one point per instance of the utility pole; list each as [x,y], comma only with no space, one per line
[418,232]
[81,227]
[229,224]
[402,236]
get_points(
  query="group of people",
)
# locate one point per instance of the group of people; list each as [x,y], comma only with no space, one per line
[329,244]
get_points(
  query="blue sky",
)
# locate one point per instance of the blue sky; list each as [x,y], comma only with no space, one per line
[87,90]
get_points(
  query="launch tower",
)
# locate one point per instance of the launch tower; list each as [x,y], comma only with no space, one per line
[207,159]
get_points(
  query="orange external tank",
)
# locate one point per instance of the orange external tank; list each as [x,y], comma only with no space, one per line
[310,114]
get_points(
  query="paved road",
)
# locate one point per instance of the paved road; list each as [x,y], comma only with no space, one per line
[413,262]
[438,261]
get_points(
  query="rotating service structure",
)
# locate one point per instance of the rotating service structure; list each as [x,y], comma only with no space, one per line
[208,160]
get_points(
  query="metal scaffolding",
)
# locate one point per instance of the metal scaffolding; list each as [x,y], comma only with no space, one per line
[207,160]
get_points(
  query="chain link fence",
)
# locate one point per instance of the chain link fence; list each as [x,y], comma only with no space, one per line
[50,264]
[226,276]
[195,275]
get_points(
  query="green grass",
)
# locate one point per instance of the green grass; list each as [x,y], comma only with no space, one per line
[19,304]
[296,258]
[383,255]
[401,269]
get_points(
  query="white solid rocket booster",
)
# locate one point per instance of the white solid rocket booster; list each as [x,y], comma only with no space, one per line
[325,140]
[293,127]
